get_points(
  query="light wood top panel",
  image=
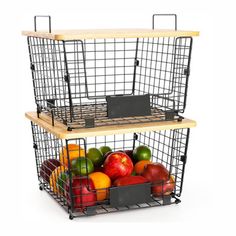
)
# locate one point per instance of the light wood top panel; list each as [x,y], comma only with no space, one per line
[60,130]
[109,33]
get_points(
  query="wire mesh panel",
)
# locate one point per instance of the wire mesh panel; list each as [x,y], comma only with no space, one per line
[61,172]
[168,148]
[164,70]
[110,66]
[72,79]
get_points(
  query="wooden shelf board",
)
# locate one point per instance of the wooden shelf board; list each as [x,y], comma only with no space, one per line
[61,132]
[109,33]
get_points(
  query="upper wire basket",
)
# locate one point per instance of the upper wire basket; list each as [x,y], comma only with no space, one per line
[83,82]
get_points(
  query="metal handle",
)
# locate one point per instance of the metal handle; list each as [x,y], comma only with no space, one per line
[49,23]
[155,15]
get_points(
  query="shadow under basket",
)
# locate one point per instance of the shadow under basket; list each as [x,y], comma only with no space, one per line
[168,147]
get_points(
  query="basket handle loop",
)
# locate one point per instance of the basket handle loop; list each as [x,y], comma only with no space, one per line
[49,22]
[156,15]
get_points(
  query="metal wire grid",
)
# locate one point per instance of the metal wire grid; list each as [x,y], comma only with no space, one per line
[93,68]
[164,69]
[168,148]
[48,147]
[71,78]
[102,119]
[109,67]
[45,144]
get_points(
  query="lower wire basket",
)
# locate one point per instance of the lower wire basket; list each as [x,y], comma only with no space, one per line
[74,188]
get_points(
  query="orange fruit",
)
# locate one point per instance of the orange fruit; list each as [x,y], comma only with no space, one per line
[101,183]
[54,176]
[139,166]
[75,151]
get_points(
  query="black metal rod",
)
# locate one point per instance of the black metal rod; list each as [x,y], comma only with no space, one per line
[173,147]
[134,140]
[49,22]
[183,170]
[156,15]
[32,66]
[70,177]
[188,73]
[38,110]
[84,64]
[135,65]
[52,114]
[35,152]
[67,76]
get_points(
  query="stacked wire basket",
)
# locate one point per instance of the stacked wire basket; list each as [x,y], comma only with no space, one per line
[116,88]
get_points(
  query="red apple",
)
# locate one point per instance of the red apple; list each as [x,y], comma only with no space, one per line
[164,188]
[158,175]
[129,180]
[118,164]
[155,172]
[83,191]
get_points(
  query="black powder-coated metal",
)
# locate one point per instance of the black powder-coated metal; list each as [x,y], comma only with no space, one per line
[130,195]
[70,177]
[184,160]
[49,23]
[169,115]
[89,122]
[136,63]
[128,106]
[167,200]
[51,103]
[165,15]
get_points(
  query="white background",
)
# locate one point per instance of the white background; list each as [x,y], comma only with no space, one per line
[208,200]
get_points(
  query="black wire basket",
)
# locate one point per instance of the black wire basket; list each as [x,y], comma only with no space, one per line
[77,82]
[56,175]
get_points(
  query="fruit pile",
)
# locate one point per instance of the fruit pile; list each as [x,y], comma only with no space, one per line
[94,172]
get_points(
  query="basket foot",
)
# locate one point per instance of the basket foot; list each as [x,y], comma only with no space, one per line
[177,201]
